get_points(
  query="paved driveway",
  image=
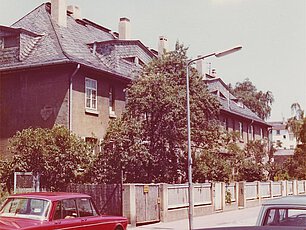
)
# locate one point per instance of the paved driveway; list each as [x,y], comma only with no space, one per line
[242,217]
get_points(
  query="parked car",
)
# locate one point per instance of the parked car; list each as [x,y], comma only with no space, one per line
[255,228]
[50,211]
[285,211]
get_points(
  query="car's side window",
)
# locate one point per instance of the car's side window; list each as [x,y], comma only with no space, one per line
[69,209]
[85,207]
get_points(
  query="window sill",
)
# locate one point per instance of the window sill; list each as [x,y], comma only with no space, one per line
[112,115]
[92,112]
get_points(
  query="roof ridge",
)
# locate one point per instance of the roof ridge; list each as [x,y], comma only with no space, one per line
[57,38]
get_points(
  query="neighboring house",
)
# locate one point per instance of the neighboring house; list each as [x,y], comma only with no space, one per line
[283,140]
[235,116]
[57,68]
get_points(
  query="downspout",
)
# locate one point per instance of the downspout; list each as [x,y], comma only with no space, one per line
[70,95]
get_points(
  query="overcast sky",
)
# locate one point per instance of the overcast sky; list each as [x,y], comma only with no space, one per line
[272,33]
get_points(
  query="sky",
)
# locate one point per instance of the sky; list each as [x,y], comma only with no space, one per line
[271,32]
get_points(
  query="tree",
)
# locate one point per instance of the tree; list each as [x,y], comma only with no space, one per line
[296,165]
[150,138]
[55,154]
[258,101]
[295,122]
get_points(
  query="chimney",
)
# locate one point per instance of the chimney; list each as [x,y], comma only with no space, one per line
[75,11]
[162,45]
[214,73]
[124,29]
[200,68]
[59,12]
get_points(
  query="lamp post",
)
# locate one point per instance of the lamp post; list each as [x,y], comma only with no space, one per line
[190,187]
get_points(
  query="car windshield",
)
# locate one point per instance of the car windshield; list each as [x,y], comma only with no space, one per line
[26,208]
[286,217]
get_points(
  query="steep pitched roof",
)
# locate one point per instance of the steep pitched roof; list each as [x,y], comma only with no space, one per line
[229,103]
[70,44]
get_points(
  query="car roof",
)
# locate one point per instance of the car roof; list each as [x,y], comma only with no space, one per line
[288,200]
[52,196]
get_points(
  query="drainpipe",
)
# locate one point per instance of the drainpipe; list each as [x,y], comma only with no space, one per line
[70,95]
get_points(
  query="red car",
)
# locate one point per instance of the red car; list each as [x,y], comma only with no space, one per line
[59,211]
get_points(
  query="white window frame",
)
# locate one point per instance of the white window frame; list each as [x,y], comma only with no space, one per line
[92,89]
[241,129]
[112,101]
[251,133]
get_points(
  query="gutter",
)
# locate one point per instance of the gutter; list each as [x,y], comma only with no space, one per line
[70,95]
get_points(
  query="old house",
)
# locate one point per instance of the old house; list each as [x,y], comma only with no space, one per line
[59,68]
[283,140]
[234,115]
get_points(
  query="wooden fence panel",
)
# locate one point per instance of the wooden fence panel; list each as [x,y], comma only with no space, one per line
[107,197]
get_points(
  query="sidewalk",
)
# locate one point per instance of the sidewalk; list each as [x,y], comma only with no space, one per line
[242,217]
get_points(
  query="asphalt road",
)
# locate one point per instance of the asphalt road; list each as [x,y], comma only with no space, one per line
[242,217]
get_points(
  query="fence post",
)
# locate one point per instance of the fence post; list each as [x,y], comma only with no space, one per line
[163,202]
[129,203]
[271,189]
[284,188]
[237,192]
[223,192]
[242,195]
[259,191]
[295,187]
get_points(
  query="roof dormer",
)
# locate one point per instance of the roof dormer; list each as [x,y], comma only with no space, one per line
[16,44]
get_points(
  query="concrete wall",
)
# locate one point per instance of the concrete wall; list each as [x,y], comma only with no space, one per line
[243,194]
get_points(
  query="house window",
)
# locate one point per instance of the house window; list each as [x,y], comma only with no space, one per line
[91,94]
[10,41]
[277,132]
[251,133]
[241,130]
[111,100]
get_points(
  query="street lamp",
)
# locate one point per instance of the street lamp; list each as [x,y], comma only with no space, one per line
[190,187]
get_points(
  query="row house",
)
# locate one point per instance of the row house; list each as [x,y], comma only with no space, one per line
[59,68]
[234,115]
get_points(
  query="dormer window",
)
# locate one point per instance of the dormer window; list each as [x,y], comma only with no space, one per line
[10,41]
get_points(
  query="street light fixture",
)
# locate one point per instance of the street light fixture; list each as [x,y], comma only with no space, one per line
[190,187]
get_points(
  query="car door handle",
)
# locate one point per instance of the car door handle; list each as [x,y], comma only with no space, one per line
[84,220]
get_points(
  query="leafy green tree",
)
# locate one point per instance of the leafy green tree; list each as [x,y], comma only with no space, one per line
[295,122]
[150,140]
[258,101]
[296,165]
[55,154]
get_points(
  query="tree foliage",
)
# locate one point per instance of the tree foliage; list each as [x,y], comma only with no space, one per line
[55,154]
[295,122]
[295,166]
[150,140]
[258,101]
